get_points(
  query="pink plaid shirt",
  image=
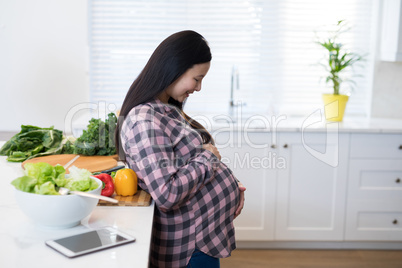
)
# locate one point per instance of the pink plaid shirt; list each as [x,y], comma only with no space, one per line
[195,194]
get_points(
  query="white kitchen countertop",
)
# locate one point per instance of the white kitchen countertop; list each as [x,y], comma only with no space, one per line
[312,123]
[22,243]
[247,121]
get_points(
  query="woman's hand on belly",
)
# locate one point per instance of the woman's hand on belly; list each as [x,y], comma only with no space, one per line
[242,199]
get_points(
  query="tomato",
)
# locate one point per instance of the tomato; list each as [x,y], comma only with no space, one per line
[125,182]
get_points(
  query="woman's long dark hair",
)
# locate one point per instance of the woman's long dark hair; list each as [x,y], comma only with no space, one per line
[171,59]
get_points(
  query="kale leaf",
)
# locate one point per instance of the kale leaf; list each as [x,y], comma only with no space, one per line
[97,139]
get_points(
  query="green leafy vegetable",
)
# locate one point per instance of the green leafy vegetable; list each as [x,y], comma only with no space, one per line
[33,141]
[43,178]
[25,184]
[47,188]
[60,177]
[80,180]
[43,172]
[97,139]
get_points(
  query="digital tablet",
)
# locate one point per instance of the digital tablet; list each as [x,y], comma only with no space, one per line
[95,240]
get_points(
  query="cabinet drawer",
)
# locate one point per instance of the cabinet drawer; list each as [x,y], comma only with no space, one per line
[375,179]
[381,179]
[374,220]
[376,146]
[379,220]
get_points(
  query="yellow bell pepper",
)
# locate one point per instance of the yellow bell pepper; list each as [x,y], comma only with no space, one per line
[125,182]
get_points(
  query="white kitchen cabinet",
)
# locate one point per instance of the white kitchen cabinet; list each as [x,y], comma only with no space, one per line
[296,184]
[249,157]
[315,186]
[311,190]
[374,203]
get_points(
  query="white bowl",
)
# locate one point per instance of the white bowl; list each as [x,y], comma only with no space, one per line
[57,211]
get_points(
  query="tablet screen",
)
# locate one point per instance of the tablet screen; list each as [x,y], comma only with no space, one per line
[91,240]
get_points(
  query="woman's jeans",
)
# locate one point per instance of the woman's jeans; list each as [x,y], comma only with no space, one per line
[201,260]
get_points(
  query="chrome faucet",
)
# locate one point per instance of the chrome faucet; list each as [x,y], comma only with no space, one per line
[234,80]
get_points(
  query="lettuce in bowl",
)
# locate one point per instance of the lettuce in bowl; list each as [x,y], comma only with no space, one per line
[45,179]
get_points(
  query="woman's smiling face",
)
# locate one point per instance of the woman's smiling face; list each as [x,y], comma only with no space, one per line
[186,84]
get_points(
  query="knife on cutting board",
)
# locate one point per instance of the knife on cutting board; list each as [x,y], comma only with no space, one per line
[108,171]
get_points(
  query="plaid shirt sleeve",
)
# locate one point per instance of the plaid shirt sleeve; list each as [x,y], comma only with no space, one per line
[170,175]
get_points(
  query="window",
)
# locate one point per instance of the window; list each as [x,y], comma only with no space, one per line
[271,43]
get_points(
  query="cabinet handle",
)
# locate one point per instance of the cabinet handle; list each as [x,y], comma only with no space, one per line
[285,146]
[400,147]
[273,146]
[398,180]
[395,221]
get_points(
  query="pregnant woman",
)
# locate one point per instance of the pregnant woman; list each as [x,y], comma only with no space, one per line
[197,197]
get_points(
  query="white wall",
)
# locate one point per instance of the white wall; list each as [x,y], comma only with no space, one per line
[387,90]
[387,80]
[43,61]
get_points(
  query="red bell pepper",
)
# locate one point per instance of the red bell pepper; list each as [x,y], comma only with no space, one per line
[108,186]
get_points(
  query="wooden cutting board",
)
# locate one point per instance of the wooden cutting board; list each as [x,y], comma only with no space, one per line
[94,163]
[140,199]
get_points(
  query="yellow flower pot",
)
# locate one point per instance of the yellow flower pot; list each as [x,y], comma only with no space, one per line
[334,106]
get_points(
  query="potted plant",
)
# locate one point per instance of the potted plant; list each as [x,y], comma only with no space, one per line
[337,61]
